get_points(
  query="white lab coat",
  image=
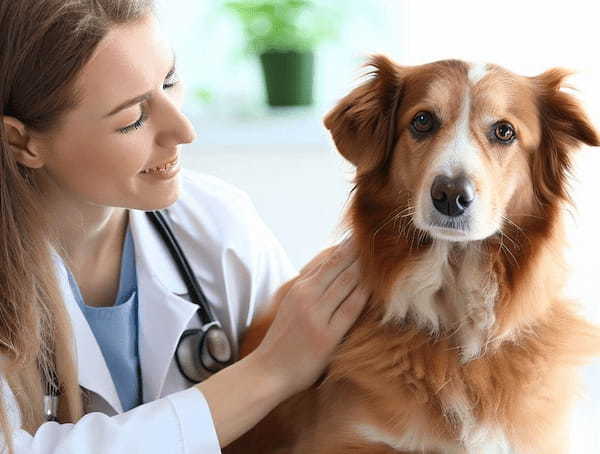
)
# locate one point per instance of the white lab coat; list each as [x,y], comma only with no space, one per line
[238,263]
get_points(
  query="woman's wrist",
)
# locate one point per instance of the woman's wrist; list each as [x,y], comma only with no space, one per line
[279,382]
[241,395]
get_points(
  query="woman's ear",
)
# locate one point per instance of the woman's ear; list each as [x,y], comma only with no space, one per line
[362,123]
[21,143]
[564,127]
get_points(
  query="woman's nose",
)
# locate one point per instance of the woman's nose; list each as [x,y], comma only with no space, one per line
[188,133]
[176,128]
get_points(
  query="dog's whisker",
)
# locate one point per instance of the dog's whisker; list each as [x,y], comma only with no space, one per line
[507,219]
[528,215]
[508,237]
[500,244]
[512,224]
[507,249]
[387,220]
[521,231]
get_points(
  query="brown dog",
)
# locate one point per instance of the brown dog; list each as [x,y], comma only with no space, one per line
[466,345]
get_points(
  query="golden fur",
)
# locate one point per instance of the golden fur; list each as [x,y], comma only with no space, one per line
[465,346]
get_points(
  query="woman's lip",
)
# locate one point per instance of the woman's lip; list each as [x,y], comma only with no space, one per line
[162,165]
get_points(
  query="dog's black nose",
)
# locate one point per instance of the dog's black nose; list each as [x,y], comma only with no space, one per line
[452,196]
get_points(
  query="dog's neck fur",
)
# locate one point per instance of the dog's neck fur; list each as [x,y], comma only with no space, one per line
[451,289]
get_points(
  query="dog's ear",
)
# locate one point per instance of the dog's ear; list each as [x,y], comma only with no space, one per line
[361,124]
[564,127]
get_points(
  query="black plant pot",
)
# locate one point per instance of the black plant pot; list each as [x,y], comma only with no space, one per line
[288,77]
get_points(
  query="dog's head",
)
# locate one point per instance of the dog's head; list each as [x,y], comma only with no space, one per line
[464,147]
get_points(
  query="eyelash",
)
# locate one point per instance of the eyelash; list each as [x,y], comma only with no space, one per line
[140,122]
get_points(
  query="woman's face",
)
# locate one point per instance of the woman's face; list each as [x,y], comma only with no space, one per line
[101,149]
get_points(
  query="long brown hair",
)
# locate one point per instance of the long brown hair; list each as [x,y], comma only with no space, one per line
[45,44]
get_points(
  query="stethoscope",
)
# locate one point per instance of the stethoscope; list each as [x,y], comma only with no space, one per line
[200,351]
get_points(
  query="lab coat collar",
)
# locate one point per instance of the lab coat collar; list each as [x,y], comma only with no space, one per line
[163,316]
[154,252]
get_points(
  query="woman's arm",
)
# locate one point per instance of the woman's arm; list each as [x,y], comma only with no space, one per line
[240,396]
[313,315]
[180,423]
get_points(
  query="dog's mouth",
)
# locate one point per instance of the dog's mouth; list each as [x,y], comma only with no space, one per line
[457,230]
[447,228]
[448,233]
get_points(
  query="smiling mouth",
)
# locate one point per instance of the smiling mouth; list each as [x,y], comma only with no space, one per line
[163,167]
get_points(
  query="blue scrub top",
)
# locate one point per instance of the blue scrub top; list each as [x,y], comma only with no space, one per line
[116,329]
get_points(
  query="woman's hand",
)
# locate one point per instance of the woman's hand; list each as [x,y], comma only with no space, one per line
[315,310]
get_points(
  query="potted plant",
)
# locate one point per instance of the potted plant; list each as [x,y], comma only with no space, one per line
[284,34]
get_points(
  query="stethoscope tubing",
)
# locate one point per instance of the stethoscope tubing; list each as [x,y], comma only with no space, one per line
[185,270]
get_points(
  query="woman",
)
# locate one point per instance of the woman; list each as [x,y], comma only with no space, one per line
[90,299]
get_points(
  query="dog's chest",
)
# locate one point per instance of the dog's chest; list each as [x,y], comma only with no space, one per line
[448,290]
[451,292]
[495,442]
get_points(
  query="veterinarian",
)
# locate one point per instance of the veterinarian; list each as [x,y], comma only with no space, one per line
[94,305]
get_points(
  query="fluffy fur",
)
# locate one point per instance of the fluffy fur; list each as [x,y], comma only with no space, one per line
[466,345]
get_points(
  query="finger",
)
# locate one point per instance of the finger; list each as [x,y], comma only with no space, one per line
[311,267]
[341,287]
[314,266]
[348,311]
[341,258]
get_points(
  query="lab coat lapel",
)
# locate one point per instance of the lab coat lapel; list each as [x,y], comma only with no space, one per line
[92,369]
[163,313]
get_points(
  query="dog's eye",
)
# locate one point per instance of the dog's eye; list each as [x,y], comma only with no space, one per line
[423,122]
[504,132]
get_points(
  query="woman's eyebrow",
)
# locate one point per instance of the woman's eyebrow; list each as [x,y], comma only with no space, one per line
[138,99]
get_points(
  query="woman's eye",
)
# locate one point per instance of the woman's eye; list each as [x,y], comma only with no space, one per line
[137,125]
[423,122]
[170,81]
[504,132]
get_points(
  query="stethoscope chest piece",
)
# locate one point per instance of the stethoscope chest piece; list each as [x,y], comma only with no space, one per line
[203,351]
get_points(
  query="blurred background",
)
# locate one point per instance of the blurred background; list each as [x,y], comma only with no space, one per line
[282,155]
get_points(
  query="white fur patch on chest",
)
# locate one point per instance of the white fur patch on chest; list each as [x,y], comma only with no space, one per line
[452,289]
[495,442]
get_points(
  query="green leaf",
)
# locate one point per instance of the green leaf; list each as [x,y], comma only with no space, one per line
[283,25]
[203,95]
